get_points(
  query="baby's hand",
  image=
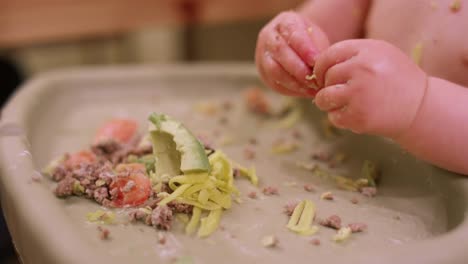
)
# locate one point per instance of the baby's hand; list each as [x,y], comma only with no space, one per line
[370,87]
[285,55]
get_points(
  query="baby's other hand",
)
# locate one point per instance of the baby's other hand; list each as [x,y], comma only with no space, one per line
[286,51]
[370,87]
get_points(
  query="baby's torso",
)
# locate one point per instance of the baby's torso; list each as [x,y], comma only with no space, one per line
[439,31]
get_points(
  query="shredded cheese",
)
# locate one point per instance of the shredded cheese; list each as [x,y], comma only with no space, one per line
[211,191]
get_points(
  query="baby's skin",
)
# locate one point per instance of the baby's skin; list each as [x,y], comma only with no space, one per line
[396,68]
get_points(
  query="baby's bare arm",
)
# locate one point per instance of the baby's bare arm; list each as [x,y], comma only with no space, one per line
[339,19]
[439,133]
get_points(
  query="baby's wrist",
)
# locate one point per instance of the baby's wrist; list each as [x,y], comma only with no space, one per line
[405,134]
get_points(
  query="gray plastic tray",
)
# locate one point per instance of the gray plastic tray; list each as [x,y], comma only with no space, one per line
[419,215]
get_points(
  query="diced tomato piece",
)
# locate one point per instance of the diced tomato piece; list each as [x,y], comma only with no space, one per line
[130,191]
[121,130]
[81,157]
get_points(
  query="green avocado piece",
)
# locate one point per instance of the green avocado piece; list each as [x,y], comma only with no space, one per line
[176,149]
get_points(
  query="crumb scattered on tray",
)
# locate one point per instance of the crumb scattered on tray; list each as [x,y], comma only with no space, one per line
[100,216]
[282,146]
[354,200]
[36,177]
[103,233]
[310,166]
[207,108]
[342,235]
[252,195]
[368,191]
[357,227]
[332,221]
[161,238]
[327,196]
[269,241]
[289,207]
[315,242]
[321,156]
[270,190]
[309,187]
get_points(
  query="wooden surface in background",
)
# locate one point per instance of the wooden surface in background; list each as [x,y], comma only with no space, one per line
[32,22]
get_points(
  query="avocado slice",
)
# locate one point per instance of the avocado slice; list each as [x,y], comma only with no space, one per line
[176,149]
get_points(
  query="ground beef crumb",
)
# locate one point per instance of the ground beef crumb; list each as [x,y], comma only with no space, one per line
[106,147]
[162,239]
[161,217]
[354,200]
[136,215]
[368,191]
[116,152]
[249,154]
[36,177]
[180,208]
[357,227]
[332,221]
[289,208]
[114,193]
[315,242]
[236,173]
[252,195]
[103,233]
[59,173]
[309,188]
[270,190]
[65,187]
[101,194]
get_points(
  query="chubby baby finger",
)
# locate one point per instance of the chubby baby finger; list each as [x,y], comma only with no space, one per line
[333,97]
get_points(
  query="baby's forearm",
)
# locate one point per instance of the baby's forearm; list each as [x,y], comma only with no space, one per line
[439,133]
[339,19]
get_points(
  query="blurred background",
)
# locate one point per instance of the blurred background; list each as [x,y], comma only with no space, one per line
[38,36]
